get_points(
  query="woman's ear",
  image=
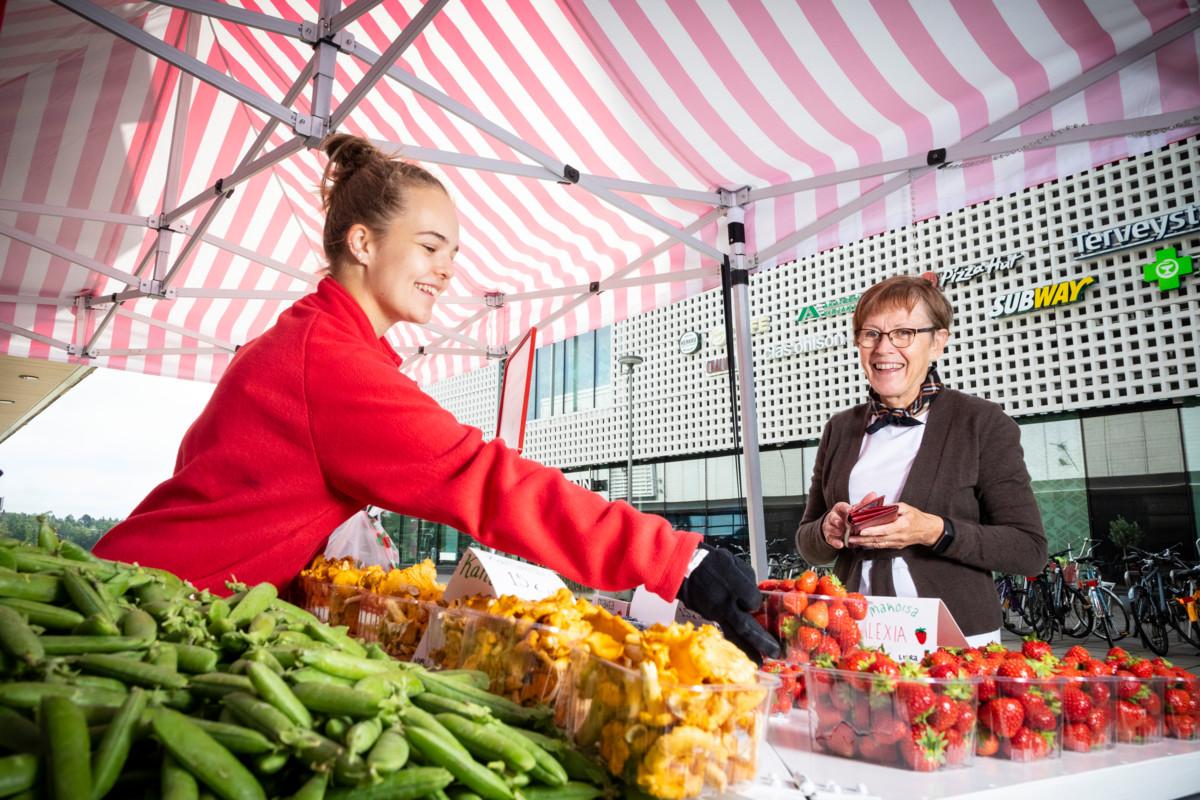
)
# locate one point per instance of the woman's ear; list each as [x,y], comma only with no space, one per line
[358,240]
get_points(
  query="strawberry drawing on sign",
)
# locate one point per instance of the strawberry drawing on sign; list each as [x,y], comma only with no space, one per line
[921,635]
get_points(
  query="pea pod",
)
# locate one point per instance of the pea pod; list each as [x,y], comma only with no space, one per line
[44,614]
[116,586]
[84,595]
[135,672]
[18,773]
[193,659]
[18,639]
[328,698]
[177,782]
[410,783]
[569,791]
[336,639]
[436,704]
[274,690]
[313,788]
[114,747]
[501,708]
[254,602]
[351,770]
[74,552]
[465,769]
[362,735]
[96,625]
[343,664]
[319,752]
[32,560]
[73,645]
[474,677]
[162,655]
[47,537]
[29,695]
[40,588]
[312,675]
[7,560]
[261,627]
[18,734]
[270,763]
[488,743]
[202,756]
[267,658]
[548,769]
[420,718]
[261,716]
[68,748]
[293,612]
[216,685]
[236,738]
[389,754]
[139,624]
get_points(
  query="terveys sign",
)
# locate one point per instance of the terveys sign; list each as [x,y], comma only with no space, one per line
[1047,295]
[1091,244]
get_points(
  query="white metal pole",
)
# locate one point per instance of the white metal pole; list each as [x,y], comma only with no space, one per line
[751,472]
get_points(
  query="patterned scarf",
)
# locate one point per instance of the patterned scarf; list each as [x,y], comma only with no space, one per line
[882,416]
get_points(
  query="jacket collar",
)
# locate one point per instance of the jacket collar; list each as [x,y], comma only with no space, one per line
[332,298]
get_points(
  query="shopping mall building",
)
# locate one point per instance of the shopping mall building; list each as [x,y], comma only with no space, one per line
[1077,307]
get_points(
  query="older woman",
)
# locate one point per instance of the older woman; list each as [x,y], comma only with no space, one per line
[953,463]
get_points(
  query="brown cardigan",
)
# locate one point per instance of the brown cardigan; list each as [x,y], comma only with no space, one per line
[970,469]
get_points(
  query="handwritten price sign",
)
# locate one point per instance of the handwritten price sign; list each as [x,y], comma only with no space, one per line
[908,627]
[483,573]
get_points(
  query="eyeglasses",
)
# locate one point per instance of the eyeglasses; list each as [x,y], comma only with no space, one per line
[899,337]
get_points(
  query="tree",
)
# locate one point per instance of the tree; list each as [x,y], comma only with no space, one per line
[1124,534]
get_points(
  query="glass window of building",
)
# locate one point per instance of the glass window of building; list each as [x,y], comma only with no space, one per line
[572,375]
[1054,458]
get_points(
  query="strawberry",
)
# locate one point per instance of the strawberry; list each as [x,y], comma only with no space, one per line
[794,603]
[830,586]
[1130,718]
[877,752]
[1077,653]
[1100,692]
[861,715]
[1117,654]
[1077,737]
[1015,668]
[1076,704]
[1142,669]
[788,627]
[1003,715]
[1178,701]
[838,615]
[856,605]
[944,671]
[889,730]
[768,585]
[828,647]
[956,747]
[1129,687]
[841,740]
[1029,745]
[917,700]
[807,582]
[1179,727]
[986,743]
[817,614]
[1038,714]
[966,717]
[924,750]
[987,690]
[944,713]
[941,657]
[845,631]
[1035,649]
[1097,720]
[808,638]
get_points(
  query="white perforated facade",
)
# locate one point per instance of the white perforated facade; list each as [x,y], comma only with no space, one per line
[1123,341]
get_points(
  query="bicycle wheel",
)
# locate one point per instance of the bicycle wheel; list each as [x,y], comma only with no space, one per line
[1152,628]
[1077,614]
[1012,603]
[1112,618]
[1039,611]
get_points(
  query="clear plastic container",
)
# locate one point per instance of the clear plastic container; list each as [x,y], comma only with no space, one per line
[1089,710]
[1020,719]
[525,661]
[398,623]
[331,603]
[807,625]
[1140,717]
[917,723]
[669,741]
[1181,707]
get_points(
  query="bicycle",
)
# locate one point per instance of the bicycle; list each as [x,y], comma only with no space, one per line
[1188,624]
[1152,598]
[1013,604]
[1111,620]
[1054,604]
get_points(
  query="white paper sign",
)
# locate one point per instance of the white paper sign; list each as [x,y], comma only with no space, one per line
[482,573]
[650,609]
[618,608]
[908,627]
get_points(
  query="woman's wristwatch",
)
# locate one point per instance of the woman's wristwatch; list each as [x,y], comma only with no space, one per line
[946,539]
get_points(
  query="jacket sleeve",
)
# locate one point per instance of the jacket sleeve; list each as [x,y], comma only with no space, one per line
[1009,537]
[381,440]
[809,541]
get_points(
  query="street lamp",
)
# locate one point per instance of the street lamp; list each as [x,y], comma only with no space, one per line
[628,362]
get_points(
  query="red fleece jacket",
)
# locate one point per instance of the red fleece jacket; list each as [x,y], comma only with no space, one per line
[313,420]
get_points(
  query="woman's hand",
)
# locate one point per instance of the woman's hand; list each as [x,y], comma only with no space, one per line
[911,526]
[835,523]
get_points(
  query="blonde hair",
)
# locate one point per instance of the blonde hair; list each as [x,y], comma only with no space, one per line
[363,185]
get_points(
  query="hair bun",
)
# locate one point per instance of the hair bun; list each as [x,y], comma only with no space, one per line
[347,155]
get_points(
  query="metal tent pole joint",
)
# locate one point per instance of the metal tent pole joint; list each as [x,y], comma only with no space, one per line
[570,175]
[494,299]
[496,352]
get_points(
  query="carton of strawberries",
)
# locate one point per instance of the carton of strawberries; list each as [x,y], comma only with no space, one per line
[812,615]
[1089,701]
[1141,685]
[1181,704]
[868,707]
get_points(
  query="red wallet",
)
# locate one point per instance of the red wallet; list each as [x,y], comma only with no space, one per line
[868,515]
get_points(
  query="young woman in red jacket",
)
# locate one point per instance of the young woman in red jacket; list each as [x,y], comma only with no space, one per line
[313,421]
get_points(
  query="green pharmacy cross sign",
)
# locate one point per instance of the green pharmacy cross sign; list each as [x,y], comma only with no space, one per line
[1166,269]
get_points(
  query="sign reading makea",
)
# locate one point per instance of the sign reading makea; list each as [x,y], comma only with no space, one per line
[1091,244]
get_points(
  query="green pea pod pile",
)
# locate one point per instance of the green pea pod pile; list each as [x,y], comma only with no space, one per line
[122,681]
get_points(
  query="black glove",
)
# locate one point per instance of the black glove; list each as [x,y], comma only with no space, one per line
[723,589]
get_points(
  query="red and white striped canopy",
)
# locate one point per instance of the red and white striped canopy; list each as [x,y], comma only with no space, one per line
[818,117]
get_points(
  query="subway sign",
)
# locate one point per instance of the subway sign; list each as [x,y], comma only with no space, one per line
[1046,296]
[1091,244]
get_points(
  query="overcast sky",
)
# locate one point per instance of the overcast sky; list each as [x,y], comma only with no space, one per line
[101,447]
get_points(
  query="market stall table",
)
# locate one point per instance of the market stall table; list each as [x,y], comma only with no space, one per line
[1169,769]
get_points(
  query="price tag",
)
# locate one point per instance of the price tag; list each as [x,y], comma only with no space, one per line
[908,627]
[482,573]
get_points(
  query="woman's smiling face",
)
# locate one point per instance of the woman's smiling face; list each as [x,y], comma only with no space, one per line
[896,373]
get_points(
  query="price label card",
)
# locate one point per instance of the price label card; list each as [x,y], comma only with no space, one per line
[618,608]
[908,627]
[649,609]
[483,573]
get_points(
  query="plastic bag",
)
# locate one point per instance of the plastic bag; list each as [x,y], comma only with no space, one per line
[362,538]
